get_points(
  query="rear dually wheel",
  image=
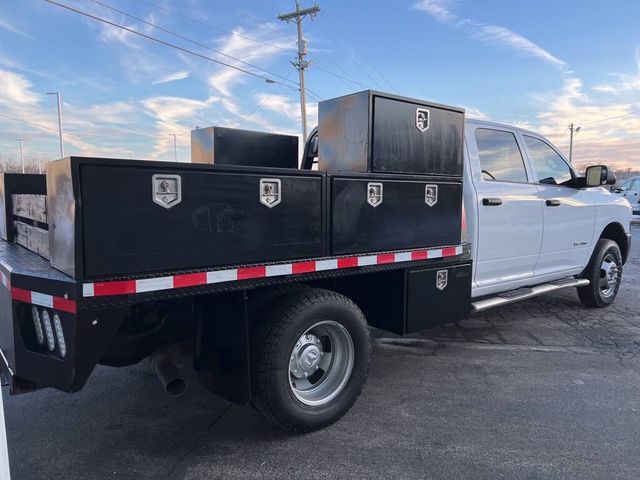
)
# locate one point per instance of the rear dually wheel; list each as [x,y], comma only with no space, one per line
[310,358]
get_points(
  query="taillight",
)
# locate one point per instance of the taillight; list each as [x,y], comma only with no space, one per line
[57,325]
[48,330]
[37,325]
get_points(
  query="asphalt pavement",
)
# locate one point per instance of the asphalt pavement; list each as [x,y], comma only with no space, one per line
[543,389]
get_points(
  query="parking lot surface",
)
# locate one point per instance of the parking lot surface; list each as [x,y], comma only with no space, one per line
[543,389]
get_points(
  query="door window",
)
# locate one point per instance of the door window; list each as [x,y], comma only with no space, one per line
[500,156]
[549,166]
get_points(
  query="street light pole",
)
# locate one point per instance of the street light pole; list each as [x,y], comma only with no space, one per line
[175,148]
[57,94]
[21,156]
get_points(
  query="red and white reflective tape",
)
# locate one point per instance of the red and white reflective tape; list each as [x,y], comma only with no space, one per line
[43,299]
[128,287]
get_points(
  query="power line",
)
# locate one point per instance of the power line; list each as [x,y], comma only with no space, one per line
[207,24]
[347,80]
[610,118]
[29,123]
[266,99]
[182,49]
[182,37]
[346,52]
[81,134]
[355,46]
[168,44]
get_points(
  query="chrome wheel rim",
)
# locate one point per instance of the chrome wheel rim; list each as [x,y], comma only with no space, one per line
[320,363]
[609,275]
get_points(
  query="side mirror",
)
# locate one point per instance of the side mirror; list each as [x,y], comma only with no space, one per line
[597,175]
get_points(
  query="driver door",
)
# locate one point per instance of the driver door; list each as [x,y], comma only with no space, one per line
[569,213]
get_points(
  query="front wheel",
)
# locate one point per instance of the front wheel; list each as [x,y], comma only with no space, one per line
[605,273]
[310,358]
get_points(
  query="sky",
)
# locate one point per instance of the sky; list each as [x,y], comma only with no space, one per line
[540,64]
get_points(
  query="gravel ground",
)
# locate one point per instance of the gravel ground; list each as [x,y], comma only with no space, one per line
[543,389]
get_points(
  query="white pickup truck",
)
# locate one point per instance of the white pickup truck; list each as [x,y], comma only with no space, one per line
[533,221]
[268,273]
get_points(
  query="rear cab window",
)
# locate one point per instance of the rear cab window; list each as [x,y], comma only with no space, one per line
[550,168]
[500,157]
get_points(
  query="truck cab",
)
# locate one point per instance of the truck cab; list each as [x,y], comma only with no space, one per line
[530,216]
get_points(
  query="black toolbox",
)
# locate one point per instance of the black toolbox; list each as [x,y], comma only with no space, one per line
[133,217]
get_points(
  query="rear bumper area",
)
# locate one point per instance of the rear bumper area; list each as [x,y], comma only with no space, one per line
[40,325]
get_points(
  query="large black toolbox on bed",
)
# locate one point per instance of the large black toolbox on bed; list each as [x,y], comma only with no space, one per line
[379,132]
[117,217]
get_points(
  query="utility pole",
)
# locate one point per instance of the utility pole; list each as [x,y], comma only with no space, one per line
[301,64]
[573,130]
[57,94]
[39,164]
[21,156]
[175,148]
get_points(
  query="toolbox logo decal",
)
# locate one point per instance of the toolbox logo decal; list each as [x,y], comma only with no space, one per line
[270,191]
[374,193]
[422,119]
[167,190]
[431,195]
[442,278]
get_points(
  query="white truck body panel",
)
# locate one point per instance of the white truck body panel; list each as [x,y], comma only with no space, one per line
[539,232]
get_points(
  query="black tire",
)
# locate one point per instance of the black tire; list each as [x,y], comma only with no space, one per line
[262,298]
[595,295]
[273,342]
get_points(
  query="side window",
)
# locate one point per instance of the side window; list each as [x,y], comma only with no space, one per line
[500,156]
[636,184]
[549,166]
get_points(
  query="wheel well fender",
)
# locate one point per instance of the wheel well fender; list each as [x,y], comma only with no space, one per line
[615,231]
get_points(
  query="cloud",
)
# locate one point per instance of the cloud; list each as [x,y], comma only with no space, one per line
[32,116]
[625,83]
[439,10]
[170,115]
[13,29]
[474,112]
[287,107]
[237,44]
[608,131]
[16,89]
[172,77]
[509,38]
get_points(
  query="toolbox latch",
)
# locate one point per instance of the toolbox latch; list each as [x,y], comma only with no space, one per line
[374,193]
[167,190]
[270,191]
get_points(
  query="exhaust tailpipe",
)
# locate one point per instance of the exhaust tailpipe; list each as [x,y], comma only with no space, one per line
[169,376]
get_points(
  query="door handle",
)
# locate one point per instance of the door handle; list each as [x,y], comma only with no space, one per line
[491,202]
[553,203]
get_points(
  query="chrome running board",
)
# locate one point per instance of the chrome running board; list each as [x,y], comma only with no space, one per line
[512,296]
